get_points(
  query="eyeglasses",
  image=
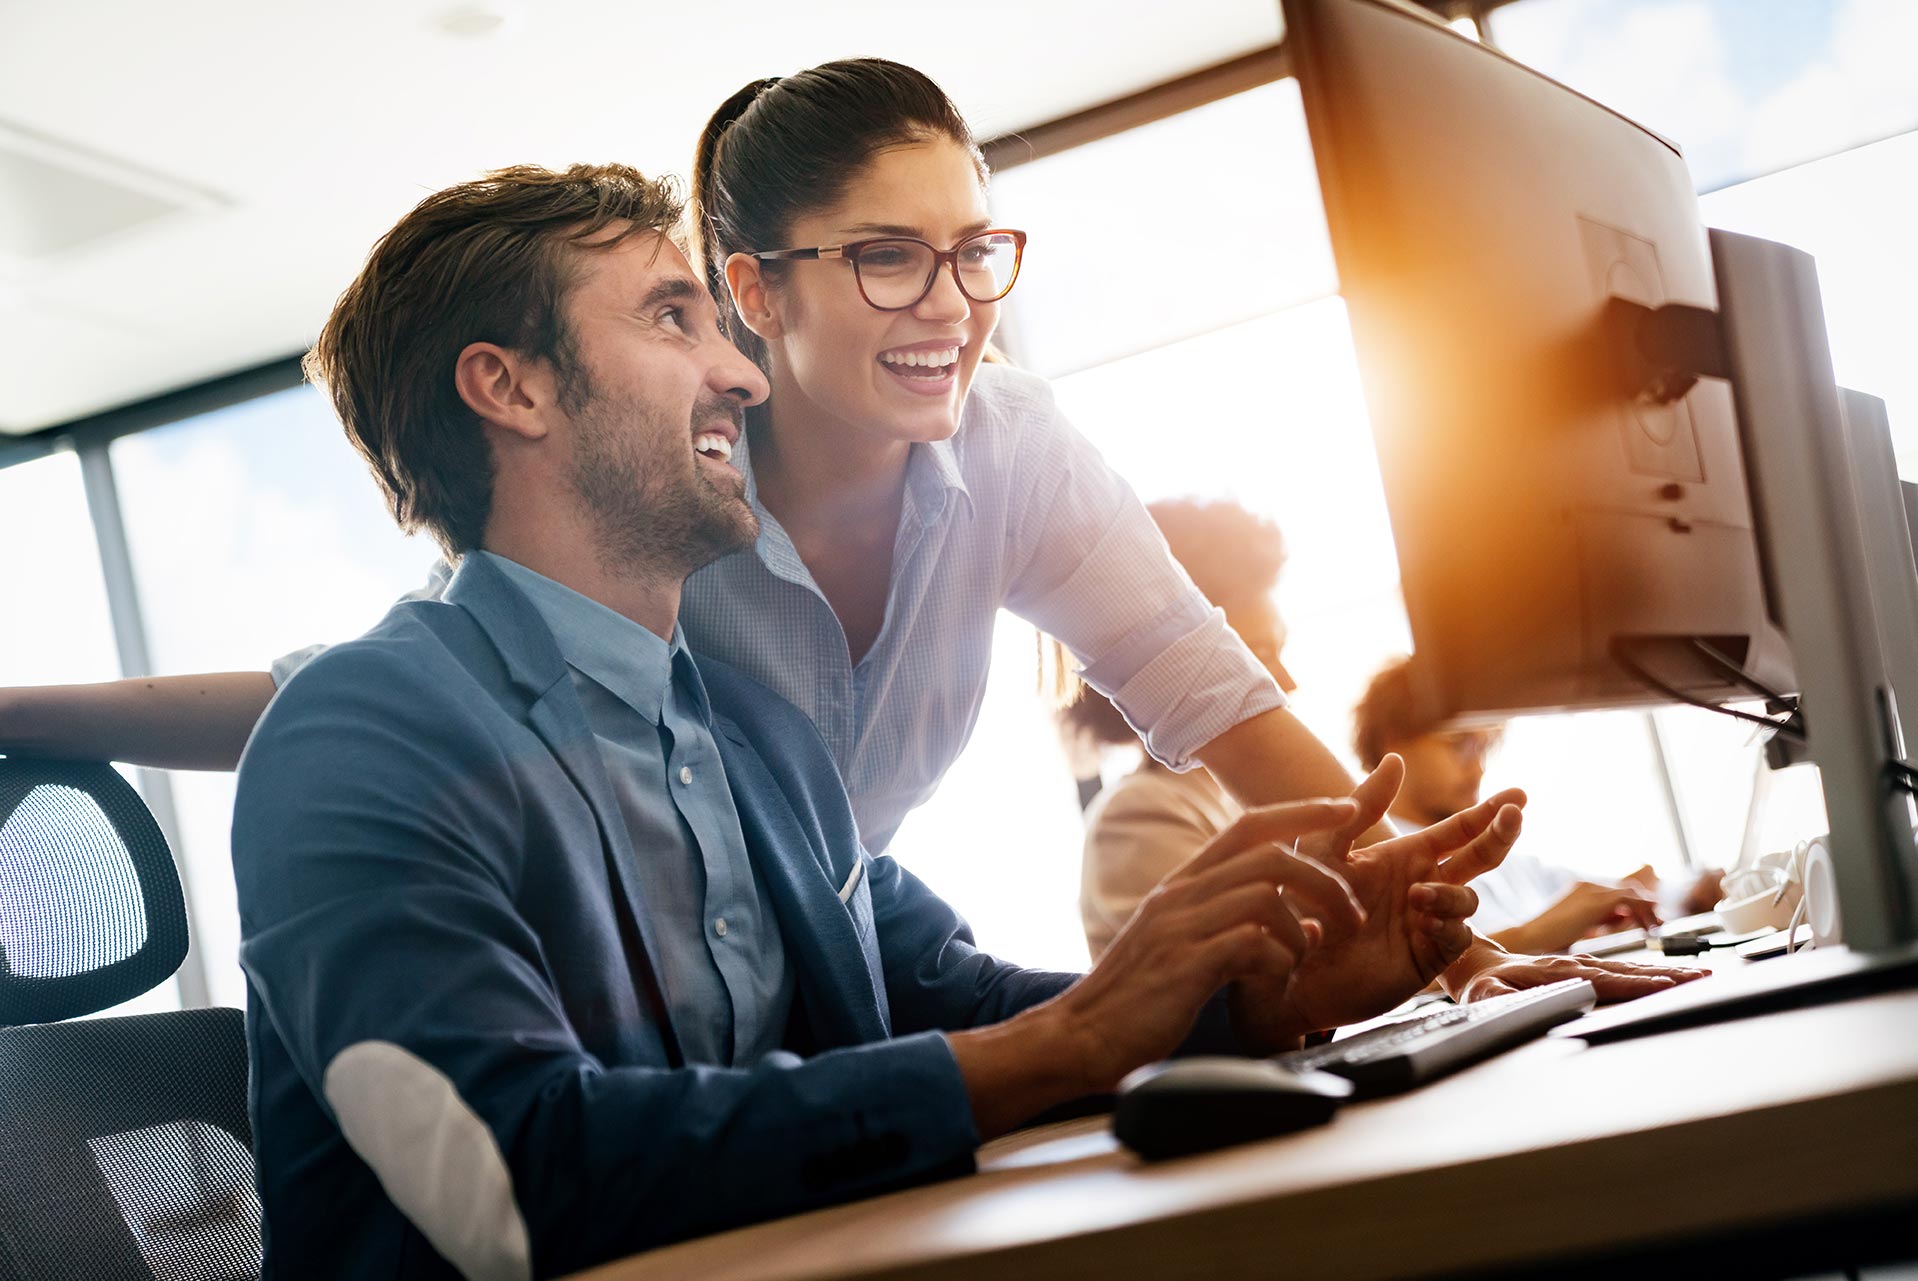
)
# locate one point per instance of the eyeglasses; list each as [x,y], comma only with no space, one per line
[895,272]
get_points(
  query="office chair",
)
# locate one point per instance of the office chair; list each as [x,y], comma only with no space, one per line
[125,1150]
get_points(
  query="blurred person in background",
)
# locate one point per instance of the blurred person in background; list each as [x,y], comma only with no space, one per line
[1528,904]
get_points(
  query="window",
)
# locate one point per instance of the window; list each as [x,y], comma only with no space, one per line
[50,578]
[1166,231]
[255,530]
[1746,87]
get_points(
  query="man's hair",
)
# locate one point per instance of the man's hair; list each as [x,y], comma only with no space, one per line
[1230,553]
[1387,714]
[485,261]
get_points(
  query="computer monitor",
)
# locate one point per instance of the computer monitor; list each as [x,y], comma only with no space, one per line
[1612,446]
[1545,509]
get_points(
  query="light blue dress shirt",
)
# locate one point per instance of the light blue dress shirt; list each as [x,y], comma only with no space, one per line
[723,966]
[1017,511]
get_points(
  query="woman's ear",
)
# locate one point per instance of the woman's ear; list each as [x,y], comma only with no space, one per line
[505,389]
[752,295]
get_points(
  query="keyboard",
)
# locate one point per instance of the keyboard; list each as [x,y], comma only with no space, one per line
[1428,1045]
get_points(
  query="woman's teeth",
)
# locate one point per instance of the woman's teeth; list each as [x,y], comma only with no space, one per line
[935,362]
[714,445]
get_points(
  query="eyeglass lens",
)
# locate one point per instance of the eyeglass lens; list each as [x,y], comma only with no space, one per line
[895,274]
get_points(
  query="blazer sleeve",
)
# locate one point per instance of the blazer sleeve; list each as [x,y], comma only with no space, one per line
[936,976]
[377,840]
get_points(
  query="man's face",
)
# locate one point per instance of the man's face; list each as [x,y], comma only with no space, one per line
[1443,771]
[653,409]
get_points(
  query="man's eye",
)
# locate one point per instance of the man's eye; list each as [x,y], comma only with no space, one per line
[674,316]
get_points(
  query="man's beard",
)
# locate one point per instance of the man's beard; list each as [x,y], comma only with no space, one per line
[649,512]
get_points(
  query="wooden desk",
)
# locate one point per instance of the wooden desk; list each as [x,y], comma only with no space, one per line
[1553,1151]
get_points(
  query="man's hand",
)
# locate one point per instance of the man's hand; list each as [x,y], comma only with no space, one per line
[1414,892]
[1245,905]
[1501,973]
[1581,911]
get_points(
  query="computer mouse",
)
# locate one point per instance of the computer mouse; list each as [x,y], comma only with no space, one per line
[1192,1105]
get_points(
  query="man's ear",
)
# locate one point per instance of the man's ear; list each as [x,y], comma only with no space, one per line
[752,295]
[506,389]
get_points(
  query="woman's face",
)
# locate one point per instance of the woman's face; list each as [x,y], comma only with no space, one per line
[902,375]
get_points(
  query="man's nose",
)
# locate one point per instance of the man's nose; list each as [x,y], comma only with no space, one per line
[736,377]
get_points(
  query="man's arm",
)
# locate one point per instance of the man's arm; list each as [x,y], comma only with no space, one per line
[379,848]
[167,722]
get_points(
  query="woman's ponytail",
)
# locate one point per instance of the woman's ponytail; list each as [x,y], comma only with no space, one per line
[709,258]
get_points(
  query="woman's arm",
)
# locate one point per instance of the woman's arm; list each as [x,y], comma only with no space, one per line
[169,722]
[1273,757]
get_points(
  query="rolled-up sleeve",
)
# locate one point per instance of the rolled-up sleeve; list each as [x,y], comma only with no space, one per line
[1091,568]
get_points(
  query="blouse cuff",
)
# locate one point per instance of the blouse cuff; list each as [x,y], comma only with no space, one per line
[1199,686]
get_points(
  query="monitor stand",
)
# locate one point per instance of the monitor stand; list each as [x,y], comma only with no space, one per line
[1797,446]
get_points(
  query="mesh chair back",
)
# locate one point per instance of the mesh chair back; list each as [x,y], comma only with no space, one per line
[90,907]
[125,1150]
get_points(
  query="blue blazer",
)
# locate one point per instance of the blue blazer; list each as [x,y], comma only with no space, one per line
[440,918]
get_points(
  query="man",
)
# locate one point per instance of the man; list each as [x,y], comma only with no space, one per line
[1525,904]
[561,944]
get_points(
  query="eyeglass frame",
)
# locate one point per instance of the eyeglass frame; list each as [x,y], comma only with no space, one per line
[851,250]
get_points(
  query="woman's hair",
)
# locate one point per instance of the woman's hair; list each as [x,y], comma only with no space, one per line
[786,146]
[1230,553]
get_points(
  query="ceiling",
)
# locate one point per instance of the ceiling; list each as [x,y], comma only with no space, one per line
[185,187]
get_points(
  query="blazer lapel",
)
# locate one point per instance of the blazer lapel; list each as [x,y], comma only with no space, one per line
[534,663]
[840,979]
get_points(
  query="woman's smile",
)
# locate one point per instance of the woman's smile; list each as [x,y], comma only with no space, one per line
[926,368]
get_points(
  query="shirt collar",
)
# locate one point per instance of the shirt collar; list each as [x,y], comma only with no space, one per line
[933,481]
[633,664]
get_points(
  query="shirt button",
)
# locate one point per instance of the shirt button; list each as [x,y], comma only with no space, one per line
[719,927]
[686,776]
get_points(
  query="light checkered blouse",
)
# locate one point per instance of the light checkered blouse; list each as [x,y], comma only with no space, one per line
[1017,511]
